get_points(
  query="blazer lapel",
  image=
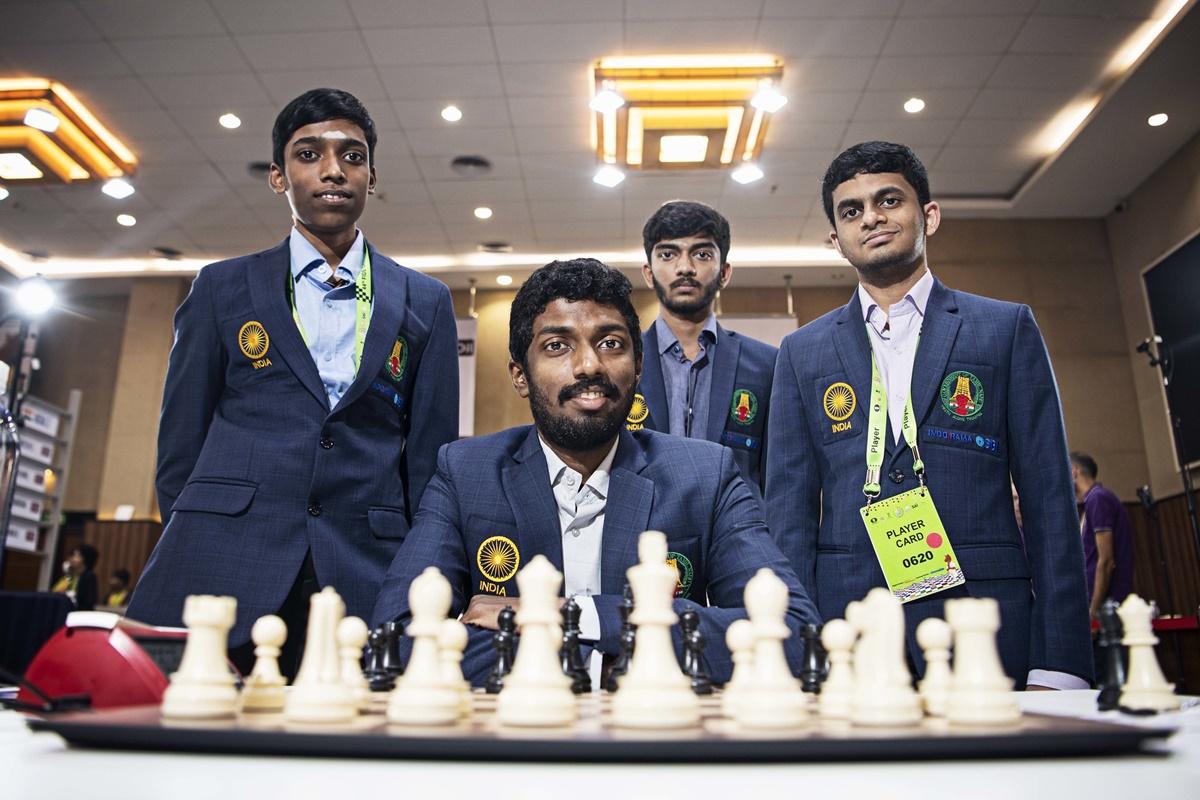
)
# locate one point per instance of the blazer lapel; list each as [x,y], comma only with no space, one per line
[527,486]
[938,332]
[268,278]
[626,513]
[652,386]
[853,349]
[390,288]
[726,357]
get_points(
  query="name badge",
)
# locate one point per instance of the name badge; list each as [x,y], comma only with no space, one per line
[912,545]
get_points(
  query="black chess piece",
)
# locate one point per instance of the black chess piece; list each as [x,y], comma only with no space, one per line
[393,632]
[383,657]
[1113,655]
[628,640]
[505,640]
[813,672]
[693,652]
[569,654]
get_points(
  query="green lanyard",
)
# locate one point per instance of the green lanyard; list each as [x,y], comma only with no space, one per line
[877,430]
[362,306]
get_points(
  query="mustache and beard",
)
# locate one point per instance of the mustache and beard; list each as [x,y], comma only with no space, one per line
[688,306]
[579,433]
[886,269]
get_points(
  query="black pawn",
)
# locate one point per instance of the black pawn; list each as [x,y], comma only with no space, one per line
[693,652]
[569,654]
[628,640]
[812,673]
[505,642]
[1112,653]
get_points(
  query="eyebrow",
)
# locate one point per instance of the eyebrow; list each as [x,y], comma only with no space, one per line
[567,330]
[853,201]
[316,140]
[692,249]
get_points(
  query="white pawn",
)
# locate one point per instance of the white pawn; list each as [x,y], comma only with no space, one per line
[421,696]
[1146,688]
[319,695]
[203,687]
[452,641]
[837,637]
[774,699]
[980,693]
[263,692]
[883,693]
[934,636]
[654,693]
[352,634]
[739,637]
[536,693]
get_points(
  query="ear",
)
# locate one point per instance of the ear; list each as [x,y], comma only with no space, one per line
[276,179]
[371,184]
[648,276]
[726,274]
[837,245]
[933,217]
[520,381]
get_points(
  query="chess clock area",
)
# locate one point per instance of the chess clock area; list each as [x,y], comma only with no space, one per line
[854,722]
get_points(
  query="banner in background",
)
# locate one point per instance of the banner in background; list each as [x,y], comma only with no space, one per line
[466,377]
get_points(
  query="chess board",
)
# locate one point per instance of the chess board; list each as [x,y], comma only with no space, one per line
[593,738]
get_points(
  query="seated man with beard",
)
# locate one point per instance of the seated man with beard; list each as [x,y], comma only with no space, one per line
[578,488]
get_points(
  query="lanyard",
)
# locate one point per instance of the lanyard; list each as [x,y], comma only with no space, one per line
[877,430]
[362,306]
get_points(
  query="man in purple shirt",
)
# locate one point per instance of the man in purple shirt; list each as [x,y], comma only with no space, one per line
[1107,538]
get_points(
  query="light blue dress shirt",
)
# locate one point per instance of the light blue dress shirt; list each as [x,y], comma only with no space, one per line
[327,314]
[688,381]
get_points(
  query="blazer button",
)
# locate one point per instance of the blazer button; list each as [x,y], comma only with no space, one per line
[897,476]
[326,442]
[314,509]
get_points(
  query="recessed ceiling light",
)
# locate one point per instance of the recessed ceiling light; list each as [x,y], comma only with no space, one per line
[41,119]
[504,280]
[452,113]
[117,188]
[3,192]
[128,220]
[769,99]
[608,175]
[230,121]
[1156,120]
[914,105]
[483,212]
[16,167]
[606,101]
[747,173]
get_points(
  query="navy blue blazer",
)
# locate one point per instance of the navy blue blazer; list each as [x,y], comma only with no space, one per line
[499,486]
[817,464]
[255,469]
[740,364]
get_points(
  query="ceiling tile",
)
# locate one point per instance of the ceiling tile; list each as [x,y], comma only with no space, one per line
[418,13]
[952,35]
[231,91]
[556,166]
[939,104]
[1018,103]
[105,96]
[395,166]
[830,8]
[305,51]
[44,21]
[80,59]
[475,192]
[478,112]
[176,177]
[577,208]
[560,188]
[117,18]
[690,35]
[982,159]
[1140,9]
[789,132]
[486,142]
[610,229]
[818,107]
[1030,71]
[824,37]
[556,78]
[939,8]
[285,85]
[136,126]
[580,42]
[437,168]
[1063,35]
[552,111]
[994,132]
[182,55]
[932,72]
[546,139]
[677,10]
[415,83]
[832,74]
[278,16]
[509,12]
[442,45]
[769,229]
[975,182]
[165,150]
[256,121]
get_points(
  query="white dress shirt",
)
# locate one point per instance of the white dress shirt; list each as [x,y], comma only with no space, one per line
[894,335]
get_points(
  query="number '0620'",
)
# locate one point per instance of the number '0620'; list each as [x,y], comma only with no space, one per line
[912,561]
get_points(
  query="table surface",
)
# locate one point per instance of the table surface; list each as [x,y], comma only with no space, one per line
[42,766]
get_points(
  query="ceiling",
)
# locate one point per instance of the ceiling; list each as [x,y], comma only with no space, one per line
[993,76]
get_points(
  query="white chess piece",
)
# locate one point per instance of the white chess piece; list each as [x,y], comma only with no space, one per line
[739,637]
[883,693]
[774,698]
[654,693]
[837,637]
[452,641]
[319,694]
[536,693]
[352,634]
[421,696]
[263,692]
[203,687]
[1146,688]
[980,692]
[934,636]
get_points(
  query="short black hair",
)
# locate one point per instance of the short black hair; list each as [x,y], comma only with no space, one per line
[122,575]
[89,554]
[574,280]
[680,218]
[320,105]
[1087,464]
[871,158]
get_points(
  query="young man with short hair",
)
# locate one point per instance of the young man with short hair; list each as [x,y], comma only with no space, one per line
[700,381]
[916,402]
[308,391]
[1107,535]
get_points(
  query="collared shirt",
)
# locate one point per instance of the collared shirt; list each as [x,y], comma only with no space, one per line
[327,314]
[581,507]
[687,381]
[1104,511]
[894,333]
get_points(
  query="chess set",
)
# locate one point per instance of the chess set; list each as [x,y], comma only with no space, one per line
[854,701]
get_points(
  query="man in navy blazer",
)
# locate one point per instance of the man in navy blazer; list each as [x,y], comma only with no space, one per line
[700,380]
[308,390]
[578,489]
[985,404]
